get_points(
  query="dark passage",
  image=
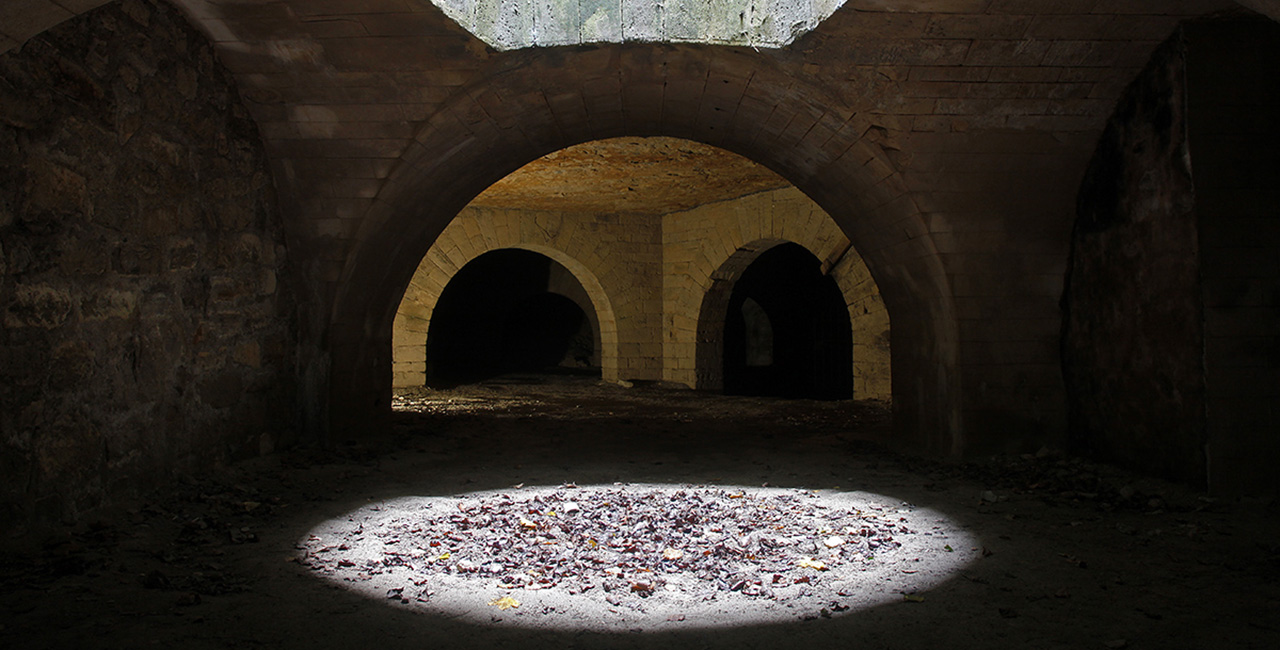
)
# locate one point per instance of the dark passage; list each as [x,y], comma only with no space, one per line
[787,330]
[497,316]
[546,330]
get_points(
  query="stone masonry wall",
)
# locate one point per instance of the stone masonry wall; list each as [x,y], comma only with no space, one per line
[698,242]
[653,293]
[146,330]
[615,257]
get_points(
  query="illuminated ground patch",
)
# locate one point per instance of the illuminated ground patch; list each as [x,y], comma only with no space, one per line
[639,556]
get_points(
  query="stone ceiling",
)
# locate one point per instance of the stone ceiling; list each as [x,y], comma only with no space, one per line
[630,175]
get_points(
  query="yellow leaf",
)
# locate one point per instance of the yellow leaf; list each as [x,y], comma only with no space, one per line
[810,563]
[506,602]
[444,556]
[525,523]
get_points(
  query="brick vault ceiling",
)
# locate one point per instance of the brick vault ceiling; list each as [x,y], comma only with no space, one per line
[630,175]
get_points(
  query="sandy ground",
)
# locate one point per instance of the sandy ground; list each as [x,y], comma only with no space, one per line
[1057,553]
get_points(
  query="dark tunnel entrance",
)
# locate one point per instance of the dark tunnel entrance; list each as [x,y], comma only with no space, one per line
[511,311]
[787,330]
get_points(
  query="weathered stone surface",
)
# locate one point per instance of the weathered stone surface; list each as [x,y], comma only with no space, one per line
[139,246]
[516,24]
[38,306]
[1133,334]
[630,175]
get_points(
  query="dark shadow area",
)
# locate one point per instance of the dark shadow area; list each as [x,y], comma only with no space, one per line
[498,315]
[787,331]
[1071,558]
[545,330]
[1234,133]
[1171,330]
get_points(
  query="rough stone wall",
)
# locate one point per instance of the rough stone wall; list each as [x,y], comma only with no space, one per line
[615,257]
[697,243]
[1233,116]
[1132,336]
[146,329]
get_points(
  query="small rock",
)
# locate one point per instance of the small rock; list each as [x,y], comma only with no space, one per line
[155,580]
[989,496]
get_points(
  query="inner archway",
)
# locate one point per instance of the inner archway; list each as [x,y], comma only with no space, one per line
[510,310]
[653,219]
[786,330]
[773,323]
[845,174]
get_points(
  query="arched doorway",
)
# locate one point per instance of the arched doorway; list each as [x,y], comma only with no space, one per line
[773,323]
[507,311]
[850,177]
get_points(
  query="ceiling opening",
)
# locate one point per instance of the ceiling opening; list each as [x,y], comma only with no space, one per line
[516,24]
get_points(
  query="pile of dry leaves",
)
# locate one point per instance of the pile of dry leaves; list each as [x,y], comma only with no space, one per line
[623,541]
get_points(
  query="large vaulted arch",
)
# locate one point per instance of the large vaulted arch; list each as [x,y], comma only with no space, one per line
[547,100]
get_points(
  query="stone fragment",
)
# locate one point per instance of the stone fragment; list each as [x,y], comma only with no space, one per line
[138,11]
[108,304]
[52,192]
[38,306]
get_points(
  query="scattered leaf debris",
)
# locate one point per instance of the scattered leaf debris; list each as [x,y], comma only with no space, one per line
[621,544]
[505,602]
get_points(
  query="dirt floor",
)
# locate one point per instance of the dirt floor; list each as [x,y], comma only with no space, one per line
[1048,552]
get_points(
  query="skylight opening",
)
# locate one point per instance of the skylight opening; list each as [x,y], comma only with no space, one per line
[517,24]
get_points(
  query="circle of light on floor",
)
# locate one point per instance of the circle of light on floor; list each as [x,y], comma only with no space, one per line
[632,556]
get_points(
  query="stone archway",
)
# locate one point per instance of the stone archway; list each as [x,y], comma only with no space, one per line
[507,310]
[719,96]
[458,247]
[809,346]
[699,243]
[715,305]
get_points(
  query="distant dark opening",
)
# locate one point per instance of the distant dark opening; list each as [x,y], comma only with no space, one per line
[497,316]
[545,330]
[787,330]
